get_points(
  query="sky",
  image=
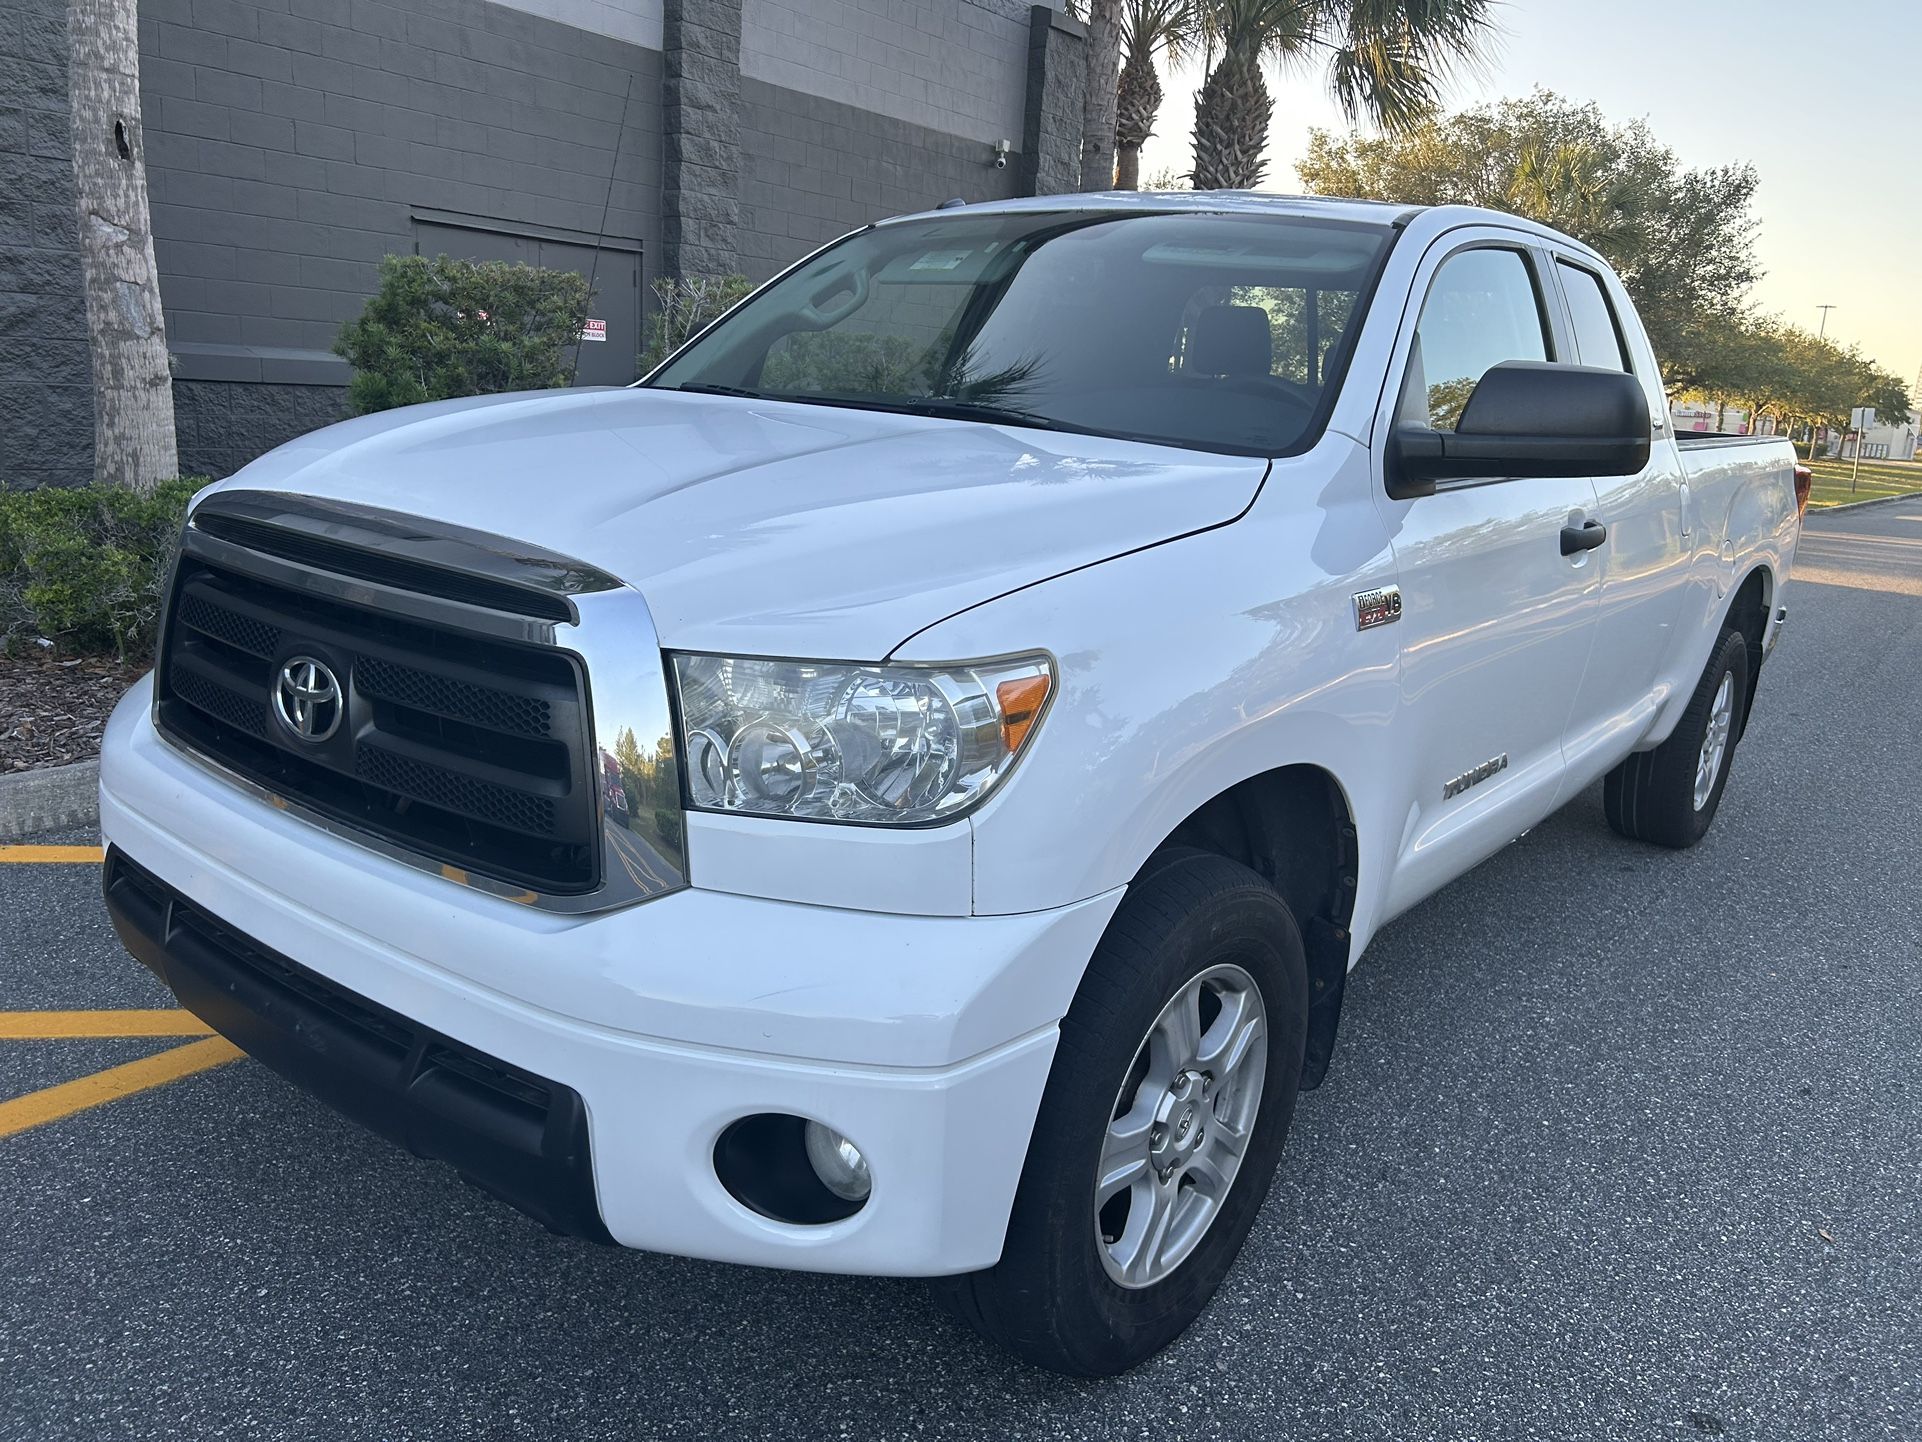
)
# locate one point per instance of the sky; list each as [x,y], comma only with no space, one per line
[1825,103]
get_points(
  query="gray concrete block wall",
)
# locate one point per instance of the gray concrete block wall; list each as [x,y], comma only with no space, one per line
[46,376]
[636,21]
[1057,81]
[290,144]
[701,138]
[954,66]
[222,425]
[814,169]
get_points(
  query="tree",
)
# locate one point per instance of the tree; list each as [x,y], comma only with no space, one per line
[1771,368]
[1148,28]
[1098,99]
[1885,391]
[134,440]
[1384,60]
[1683,241]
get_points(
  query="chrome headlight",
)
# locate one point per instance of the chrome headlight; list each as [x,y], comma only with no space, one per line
[837,741]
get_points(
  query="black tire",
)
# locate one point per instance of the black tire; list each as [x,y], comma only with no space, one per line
[1050,1299]
[1652,795]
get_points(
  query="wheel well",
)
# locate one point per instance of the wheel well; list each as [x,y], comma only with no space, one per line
[1294,826]
[1748,613]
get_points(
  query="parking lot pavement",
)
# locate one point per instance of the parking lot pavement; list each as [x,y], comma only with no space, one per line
[1618,1144]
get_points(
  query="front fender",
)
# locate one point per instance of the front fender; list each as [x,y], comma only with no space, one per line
[1186,669]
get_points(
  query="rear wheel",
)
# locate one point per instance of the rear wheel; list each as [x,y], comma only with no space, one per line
[1170,1097]
[1669,795]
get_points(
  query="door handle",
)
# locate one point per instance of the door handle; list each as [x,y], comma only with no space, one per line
[1585,537]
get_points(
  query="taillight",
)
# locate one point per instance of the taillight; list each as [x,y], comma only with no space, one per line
[1804,482]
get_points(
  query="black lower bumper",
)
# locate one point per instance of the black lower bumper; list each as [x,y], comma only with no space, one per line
[519,1136]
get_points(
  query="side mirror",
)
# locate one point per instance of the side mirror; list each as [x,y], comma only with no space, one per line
[1528,418]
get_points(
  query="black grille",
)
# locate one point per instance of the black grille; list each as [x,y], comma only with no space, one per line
[223,703]
[487,706]
[240,631]
[497,805]
[468,748]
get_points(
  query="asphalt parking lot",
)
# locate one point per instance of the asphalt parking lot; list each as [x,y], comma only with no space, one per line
[1618,1144]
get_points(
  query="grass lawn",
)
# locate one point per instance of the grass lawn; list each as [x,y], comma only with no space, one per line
[1878,478]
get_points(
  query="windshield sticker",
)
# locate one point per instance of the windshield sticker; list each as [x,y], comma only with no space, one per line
[941,260]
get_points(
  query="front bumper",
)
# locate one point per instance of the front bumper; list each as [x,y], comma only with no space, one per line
[518,1136]
[925,1039]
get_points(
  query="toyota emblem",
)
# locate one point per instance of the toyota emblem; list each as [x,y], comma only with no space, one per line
[307,698]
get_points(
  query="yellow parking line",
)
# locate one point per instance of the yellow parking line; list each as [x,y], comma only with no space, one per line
[51,853]
[73,1025]
[50,1105]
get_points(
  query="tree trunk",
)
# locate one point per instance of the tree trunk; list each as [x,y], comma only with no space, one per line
[134,442]
[1232,111]
[1098,100]
[1137,102]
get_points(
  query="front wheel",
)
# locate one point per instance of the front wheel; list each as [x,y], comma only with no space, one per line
[1170,1097]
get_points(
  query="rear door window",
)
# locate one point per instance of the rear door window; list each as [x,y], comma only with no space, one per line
[1598,338]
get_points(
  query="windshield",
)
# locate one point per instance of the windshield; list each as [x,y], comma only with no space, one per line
[1217,332]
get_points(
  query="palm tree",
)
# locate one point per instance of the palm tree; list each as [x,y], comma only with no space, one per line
[1098,99]
[1385,61]
[1147,26]
[134,437]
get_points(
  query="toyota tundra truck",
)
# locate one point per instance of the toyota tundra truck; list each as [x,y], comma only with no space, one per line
[899,789]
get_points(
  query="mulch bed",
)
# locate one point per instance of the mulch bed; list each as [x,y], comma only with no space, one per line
[53,710]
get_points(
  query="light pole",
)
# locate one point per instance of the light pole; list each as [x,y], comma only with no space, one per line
[1821,333]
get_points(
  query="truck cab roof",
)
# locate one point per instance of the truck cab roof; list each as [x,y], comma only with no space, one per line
[1433,219]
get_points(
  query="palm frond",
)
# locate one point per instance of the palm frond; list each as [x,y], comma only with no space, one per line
[1389,57]
[1171,28]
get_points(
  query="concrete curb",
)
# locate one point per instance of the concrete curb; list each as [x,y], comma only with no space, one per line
[52,798]
[1872,501]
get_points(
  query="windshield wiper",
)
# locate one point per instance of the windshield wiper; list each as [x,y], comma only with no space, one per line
[708,388]
[937,407]
[958,410]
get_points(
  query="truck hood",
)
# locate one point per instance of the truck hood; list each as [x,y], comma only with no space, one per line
[769,528]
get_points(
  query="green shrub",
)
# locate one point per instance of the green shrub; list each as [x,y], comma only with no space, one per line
[439,328]
[682,307]
[83,567]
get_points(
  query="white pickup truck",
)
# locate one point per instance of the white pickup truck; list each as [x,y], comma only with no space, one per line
[900,789]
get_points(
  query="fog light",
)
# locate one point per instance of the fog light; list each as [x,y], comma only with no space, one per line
[838,1163]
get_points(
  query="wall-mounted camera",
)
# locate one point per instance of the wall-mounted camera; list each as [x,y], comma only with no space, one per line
[1001,149]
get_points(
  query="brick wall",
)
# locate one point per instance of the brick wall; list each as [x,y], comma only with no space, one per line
[46,378]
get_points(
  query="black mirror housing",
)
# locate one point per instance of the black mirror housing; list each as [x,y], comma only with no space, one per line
[1529,418]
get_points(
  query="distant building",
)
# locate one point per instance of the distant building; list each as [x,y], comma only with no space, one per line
[1892,442]
[1691,416]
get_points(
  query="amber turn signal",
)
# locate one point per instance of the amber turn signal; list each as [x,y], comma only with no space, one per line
[1021,701]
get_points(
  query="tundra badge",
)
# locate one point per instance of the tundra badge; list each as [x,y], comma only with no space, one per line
[1474,776]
